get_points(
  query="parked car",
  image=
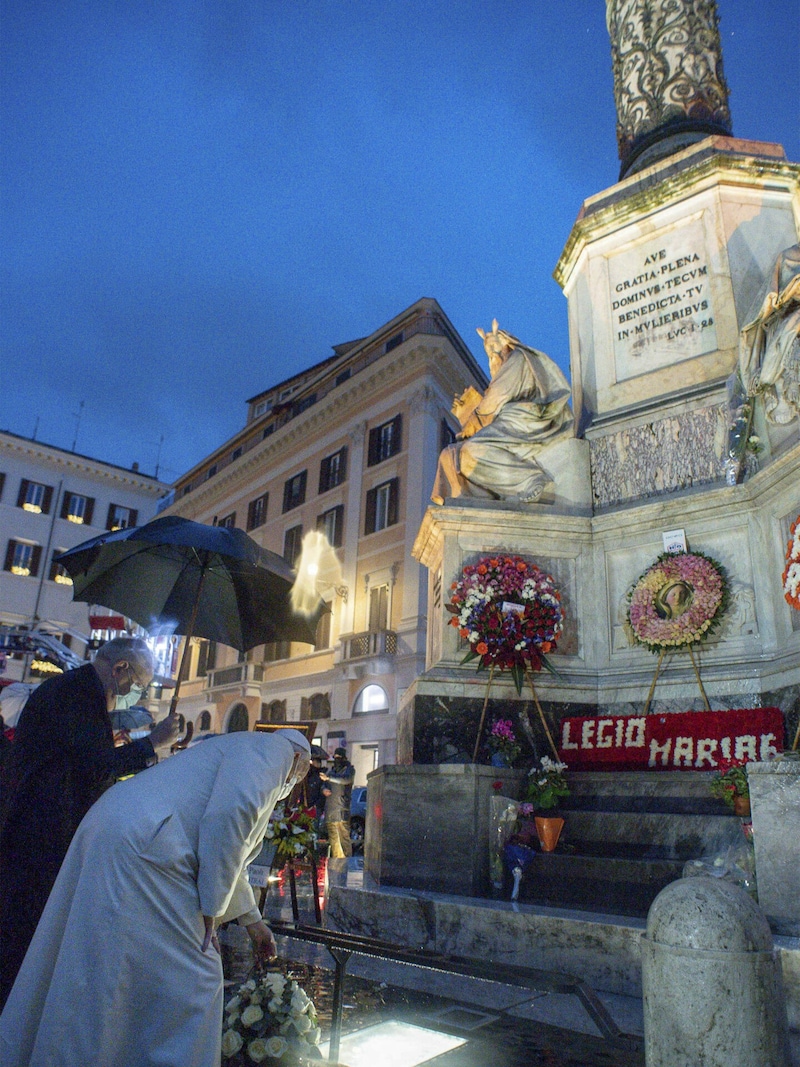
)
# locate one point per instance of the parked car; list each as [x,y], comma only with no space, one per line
[358,816]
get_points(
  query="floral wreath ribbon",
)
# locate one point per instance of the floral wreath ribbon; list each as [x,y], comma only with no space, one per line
[791,585]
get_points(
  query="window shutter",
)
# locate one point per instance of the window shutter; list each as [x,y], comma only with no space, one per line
[394,500]
[48,498]
[369,525]
[374,446]
[324,475]
[65,502]
[9,555]
[134,516]
[23,492]
[89,512]
[342,466]
[36,556]
[338,526]
[110,517]
[397,434]
[2,483]
[303,481]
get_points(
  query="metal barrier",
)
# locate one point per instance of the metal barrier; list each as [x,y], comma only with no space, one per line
[342,946]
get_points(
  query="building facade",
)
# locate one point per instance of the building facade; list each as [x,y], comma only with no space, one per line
[51,500]
[348,447]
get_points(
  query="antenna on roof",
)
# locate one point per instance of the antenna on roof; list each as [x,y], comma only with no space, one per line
[77,416]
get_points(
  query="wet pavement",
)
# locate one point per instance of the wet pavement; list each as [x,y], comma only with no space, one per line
[500,1025]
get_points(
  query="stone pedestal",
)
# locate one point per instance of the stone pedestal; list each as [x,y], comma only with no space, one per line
[775,806]
[428,827]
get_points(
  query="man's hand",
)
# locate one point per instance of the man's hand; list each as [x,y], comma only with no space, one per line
[264,947]
[165,732]
[211,937]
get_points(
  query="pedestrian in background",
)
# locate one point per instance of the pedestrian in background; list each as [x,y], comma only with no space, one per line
[338,785]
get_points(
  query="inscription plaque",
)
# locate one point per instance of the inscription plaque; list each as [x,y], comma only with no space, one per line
[661,306]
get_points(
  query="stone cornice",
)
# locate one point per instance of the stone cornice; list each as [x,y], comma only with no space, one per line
[638,197]
[48,455]
[339,409]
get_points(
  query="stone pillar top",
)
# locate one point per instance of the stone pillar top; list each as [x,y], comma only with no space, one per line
[669,86]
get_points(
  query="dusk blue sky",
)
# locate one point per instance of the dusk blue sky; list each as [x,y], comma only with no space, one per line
[201,198]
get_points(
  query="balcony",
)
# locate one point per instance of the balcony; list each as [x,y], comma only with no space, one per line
[236,675]
[371,652]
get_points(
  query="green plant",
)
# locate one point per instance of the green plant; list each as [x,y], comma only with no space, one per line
[546,784]
[729,784]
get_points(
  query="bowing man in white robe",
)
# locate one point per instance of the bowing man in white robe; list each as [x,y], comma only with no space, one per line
[122,970]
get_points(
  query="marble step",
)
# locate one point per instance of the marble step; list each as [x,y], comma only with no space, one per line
[648,835]
[597,884]
[642,791]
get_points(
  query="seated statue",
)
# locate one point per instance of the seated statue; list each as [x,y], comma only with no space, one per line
[525,408]
[769,345]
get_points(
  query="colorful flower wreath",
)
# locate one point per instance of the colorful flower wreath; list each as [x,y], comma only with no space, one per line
[509,611]
[677,601]
[791,574]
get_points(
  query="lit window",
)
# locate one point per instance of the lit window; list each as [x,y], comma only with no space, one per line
[59,574]
[372,698]
[22,558]
[120,518]
[382,506]
[32,497]
[331,523]
[76,508]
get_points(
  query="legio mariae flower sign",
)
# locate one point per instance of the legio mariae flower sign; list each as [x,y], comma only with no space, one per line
[509,612]
[678,601]
[791,573]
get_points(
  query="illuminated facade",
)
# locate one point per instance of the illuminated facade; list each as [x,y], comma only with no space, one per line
[349,447]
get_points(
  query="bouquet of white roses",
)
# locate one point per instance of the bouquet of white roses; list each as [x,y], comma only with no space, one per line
[270,1019]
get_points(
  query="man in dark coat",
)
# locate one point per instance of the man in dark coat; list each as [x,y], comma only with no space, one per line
[337,789]
[62,759]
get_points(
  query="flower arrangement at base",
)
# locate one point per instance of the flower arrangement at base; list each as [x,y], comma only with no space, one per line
[546,784]
[509,611]
[791,574]
[293,833]
[678,601]
[502,742]
[269,1020]
[730,782]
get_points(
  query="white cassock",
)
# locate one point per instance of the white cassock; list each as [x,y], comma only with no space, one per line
[115,975]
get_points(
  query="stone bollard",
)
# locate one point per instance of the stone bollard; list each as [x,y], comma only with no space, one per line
[711,980]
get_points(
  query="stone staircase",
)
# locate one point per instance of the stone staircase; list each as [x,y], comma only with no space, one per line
[627,836]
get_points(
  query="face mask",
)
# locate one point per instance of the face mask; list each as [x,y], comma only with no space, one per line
[130,699]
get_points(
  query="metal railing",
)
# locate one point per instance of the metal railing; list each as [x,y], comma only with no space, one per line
[370,643]
[342,946]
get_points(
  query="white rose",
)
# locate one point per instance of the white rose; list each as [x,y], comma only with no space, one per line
[257,997]
[314,1036]
[301,1023]
[257,1050]
[299,1001]
[276,982]
[275,1005]
[233,1003]
[249,985]
[233,1017]
[251,1015]
[276,1046]
[231,1043]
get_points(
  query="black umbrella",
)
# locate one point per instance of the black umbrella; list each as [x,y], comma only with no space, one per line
[204,581]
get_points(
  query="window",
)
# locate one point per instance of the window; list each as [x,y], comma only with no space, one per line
[447,435]
[22,558]
[382,506]
[294,491]
[120,518]
[2,483]
[322,635]
[228,521]
[260,408]
[257,511]
[393,342]
[276,650]
[206,659]
[204,722]
[333,470]
[342,376]
[331,523]
[275,711]
[33,496]
[378,608]
[212,470]
[292,544]
[385,441]
[300,406]
[372,698]
[58,572]
[239,720]
[236,453]
[315,707]
[268,430]
[77,508]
